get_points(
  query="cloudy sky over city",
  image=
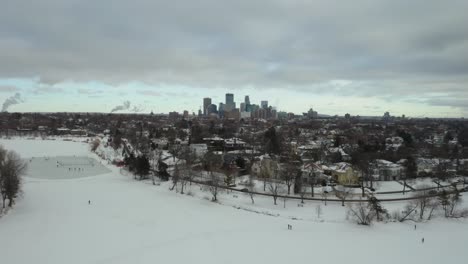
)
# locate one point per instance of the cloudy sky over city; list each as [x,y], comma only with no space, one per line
[362,57]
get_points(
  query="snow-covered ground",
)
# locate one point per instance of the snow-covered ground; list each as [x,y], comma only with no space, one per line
[136,222]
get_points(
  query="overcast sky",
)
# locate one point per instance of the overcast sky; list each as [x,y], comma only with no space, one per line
[362,57]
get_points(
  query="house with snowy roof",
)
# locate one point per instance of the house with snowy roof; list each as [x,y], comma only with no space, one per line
[265,165]
[313,173]
[343,173]
[384,170]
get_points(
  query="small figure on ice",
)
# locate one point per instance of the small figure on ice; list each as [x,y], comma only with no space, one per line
[414,227]
[422,240]
[89,201]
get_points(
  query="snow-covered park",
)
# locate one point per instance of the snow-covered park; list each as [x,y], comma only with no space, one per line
[130,221]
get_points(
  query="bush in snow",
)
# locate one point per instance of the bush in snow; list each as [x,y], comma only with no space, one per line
[361,212]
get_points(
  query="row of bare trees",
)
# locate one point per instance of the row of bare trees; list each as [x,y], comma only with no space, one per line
[424,206]
[11,170]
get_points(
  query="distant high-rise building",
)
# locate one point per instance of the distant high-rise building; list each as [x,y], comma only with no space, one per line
[274,114]
[221,110]
[212,109]
[254,107]
[264,104]
[206,103]
[248,107]
[229,98]
[230,105]
[174,115]
[242,107]
[185,114]
[312,114]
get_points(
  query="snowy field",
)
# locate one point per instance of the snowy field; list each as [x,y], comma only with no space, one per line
[136,222]
[390,186]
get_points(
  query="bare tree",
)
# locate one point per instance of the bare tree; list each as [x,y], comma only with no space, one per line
[318,210]
[422,200]
[11,170]
[288,174]
[324,197]
[361,213]
[185,176]
[444,202]
[274,189]
[176,150]
[433,205]
[251,187]
[302,193]
[264,174]
[343,192]
[155,157]
[455,199]
[312,182]
[175,177]
[186,173]
[214,186]
[285,198]
[408,212]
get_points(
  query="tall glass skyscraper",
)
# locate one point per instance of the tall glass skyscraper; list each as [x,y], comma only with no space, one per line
[206,103]
[230,105]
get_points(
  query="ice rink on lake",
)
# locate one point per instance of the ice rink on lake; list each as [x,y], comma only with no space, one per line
[64,167]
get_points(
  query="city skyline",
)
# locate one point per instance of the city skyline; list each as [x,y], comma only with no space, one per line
[362,58]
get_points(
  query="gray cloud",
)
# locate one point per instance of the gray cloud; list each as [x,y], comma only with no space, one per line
[150,93]
[12,100]
[8,89]
[47,89]
[89,91]
[385,49]
[448,101]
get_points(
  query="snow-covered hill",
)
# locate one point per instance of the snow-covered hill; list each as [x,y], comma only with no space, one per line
[136,222]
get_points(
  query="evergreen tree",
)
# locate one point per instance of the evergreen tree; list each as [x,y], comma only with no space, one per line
[142,166]
[411,167]
[463,137]
[272,145]
[374,205]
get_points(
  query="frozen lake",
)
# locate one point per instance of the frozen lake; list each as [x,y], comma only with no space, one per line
[64,167]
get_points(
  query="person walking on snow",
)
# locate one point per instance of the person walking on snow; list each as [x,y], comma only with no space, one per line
[89,201]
